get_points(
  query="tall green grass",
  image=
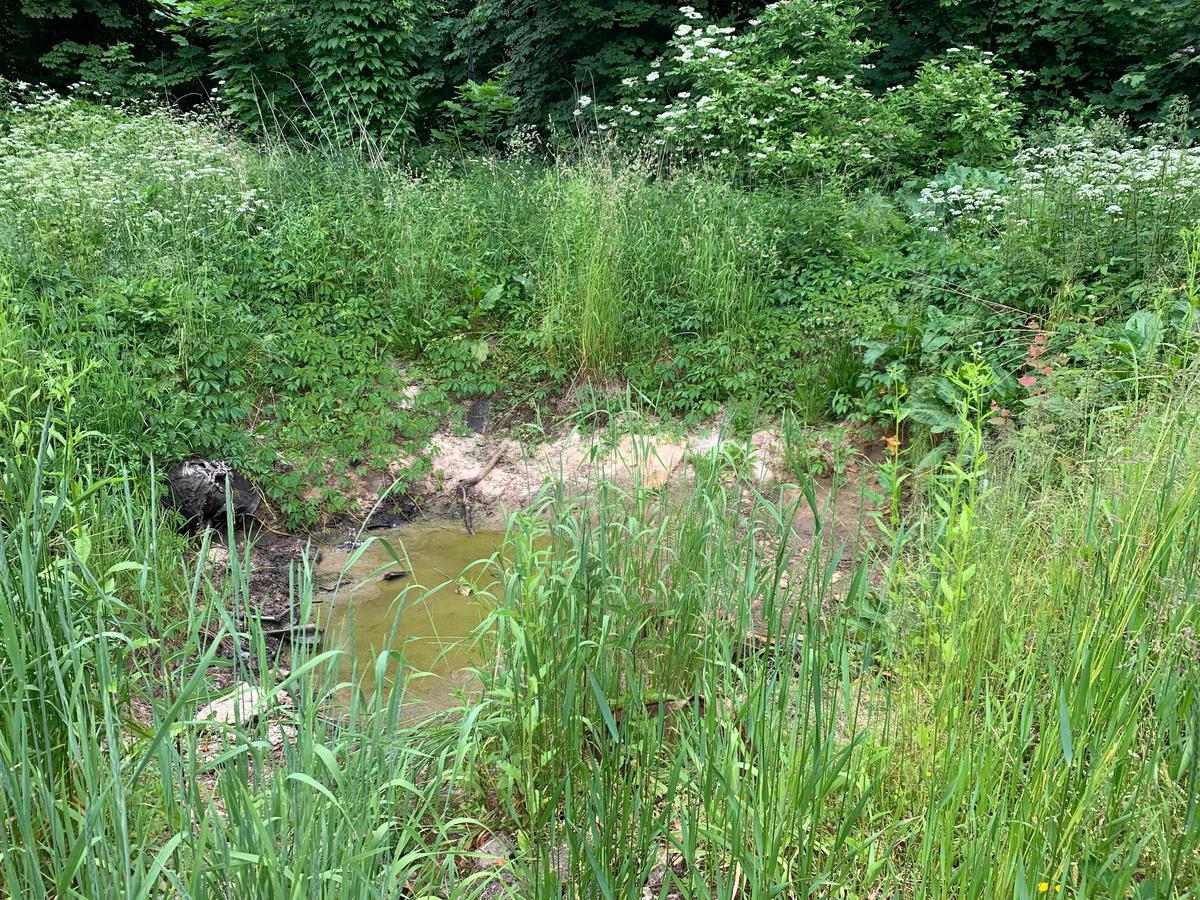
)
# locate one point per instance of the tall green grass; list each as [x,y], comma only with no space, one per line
[109,648]
[669,685]
[240,290]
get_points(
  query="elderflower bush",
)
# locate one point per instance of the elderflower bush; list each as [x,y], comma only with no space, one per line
[89,174]
[783,98]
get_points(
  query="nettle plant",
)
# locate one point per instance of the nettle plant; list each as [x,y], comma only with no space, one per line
[785,98]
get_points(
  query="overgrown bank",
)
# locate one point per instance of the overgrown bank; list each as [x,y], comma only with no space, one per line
[310,316]
[996,700]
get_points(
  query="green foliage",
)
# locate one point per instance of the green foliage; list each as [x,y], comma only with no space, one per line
[733,691]
[784,99]
[680,672]
[479,118]
[1130,58]
[310,315]
[341,69]
[114,46]
[961,109]
[336,70]
[552,53]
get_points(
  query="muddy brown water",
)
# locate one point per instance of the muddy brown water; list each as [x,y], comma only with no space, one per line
[425,616]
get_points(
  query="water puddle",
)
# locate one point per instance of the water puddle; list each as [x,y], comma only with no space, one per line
[423,615]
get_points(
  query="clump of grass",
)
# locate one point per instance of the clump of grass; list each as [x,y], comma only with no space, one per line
[1007,706]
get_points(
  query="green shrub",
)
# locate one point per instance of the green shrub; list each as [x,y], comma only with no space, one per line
[785,100]
[339,70]
[962,109]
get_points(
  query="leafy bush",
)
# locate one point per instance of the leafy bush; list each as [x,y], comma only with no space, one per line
[785,99]
[336,70]
[1134,59]
[479,118]
[114,47]
[961,108]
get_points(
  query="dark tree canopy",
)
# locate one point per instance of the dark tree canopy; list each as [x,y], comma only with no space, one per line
[410,68]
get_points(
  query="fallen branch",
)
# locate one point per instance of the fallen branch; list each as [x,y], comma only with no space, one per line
[482,473]
[466,509]
[465,484]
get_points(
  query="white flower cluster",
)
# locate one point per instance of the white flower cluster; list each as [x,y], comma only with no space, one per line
[1096,187]
[1109,178]
[960,205]
[73,165]
[742,109]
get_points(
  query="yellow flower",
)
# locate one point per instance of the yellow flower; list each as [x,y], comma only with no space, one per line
[929,773]
[1043,887]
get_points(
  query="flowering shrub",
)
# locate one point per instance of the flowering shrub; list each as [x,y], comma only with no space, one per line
[784,98]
